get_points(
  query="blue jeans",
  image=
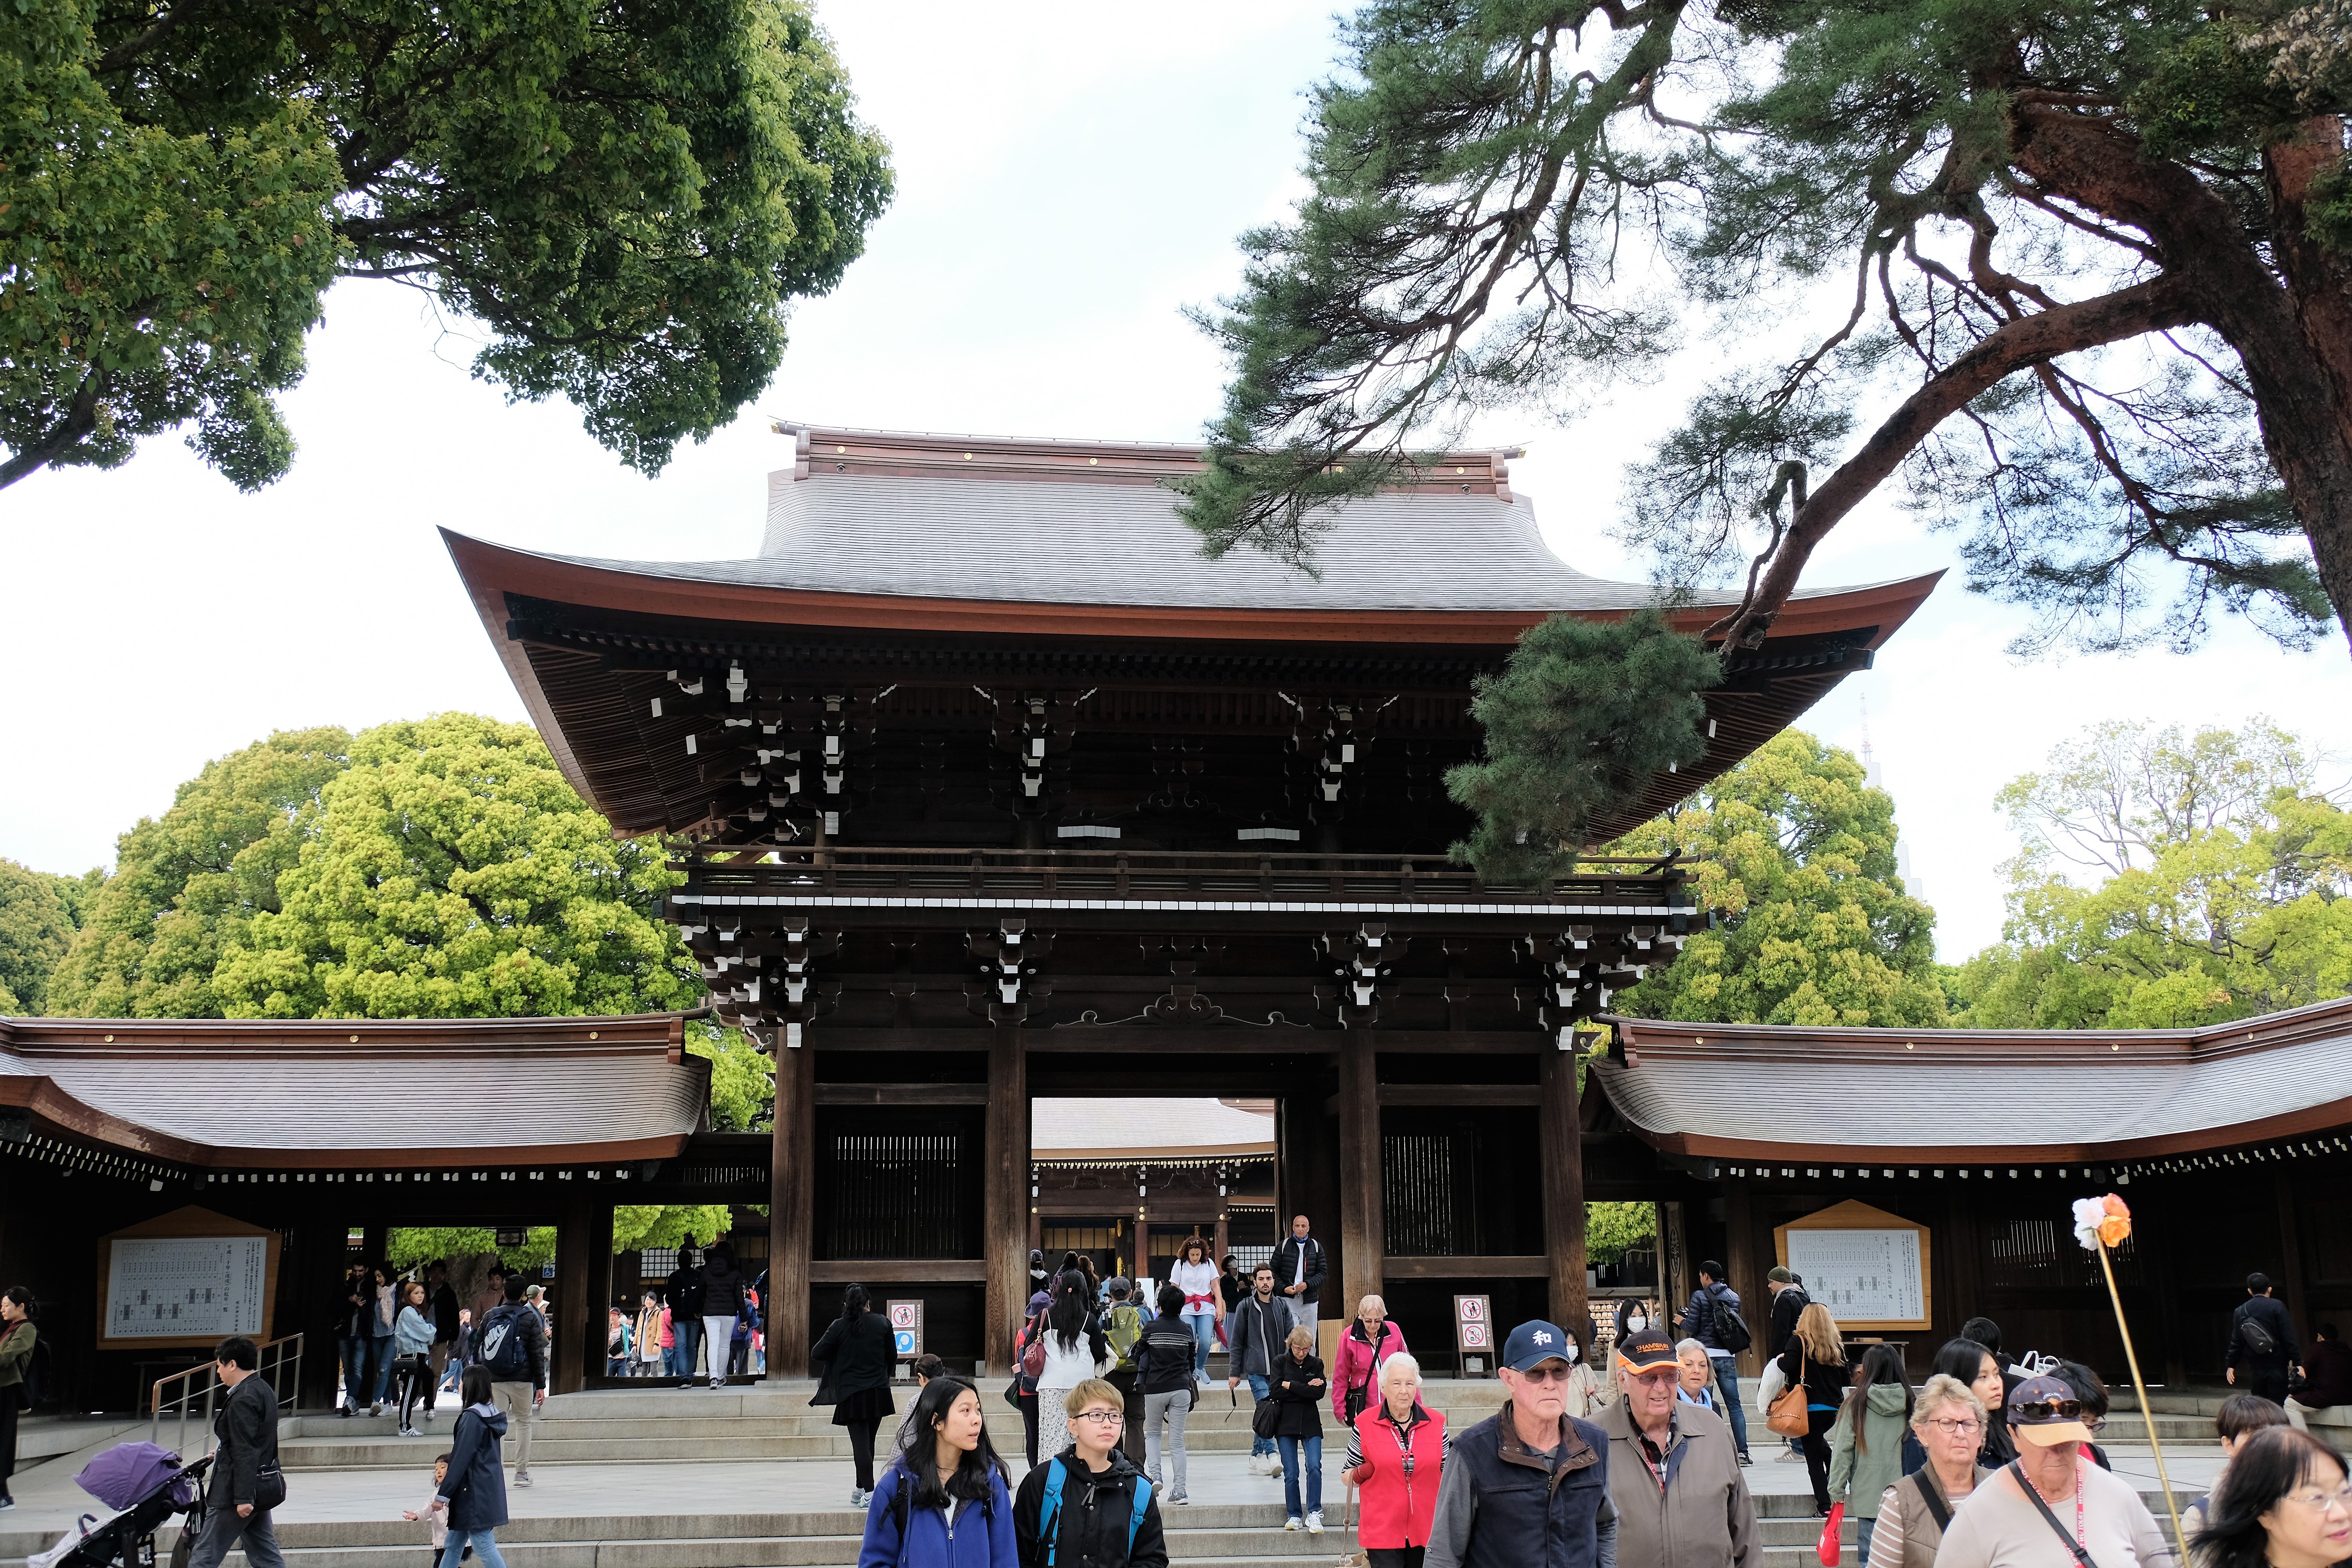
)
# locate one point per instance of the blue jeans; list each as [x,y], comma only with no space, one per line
[485,1543]
[367,1364]
[1862,1531]
[687,1333]
[1290,1446]
[1204,1336]
[1260,1388]
[382,1370]
[1726,1372]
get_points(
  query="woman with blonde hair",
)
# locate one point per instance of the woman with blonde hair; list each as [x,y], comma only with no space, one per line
[1814,1359]
[1949,1421]
[1298,1385]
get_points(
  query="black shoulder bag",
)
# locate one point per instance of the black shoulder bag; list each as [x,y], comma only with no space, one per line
[1933,1496]
[2064,1535]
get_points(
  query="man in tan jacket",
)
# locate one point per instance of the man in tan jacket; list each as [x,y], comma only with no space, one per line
[1673,1474]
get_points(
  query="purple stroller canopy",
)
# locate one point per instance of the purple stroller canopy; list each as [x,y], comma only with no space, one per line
[129,1471]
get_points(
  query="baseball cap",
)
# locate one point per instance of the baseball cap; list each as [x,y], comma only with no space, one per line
[2045,1411]
[1534,1343]
[1648,1351]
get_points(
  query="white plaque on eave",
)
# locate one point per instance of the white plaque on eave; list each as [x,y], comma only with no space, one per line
[179,1286]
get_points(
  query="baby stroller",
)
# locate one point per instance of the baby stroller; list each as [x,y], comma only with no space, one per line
[146,1485]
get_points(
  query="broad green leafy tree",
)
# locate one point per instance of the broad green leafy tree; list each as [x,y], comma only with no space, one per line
[36,927]
[188,883]
[1797,850]
[626,199]
[2165,880]
[405,1247]
[2081,271]
[742,1085]
[1611,1230]
[453,873]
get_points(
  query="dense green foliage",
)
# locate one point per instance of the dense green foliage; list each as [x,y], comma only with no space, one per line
[742,1087]
[627,197]
[2218,879]
[454,874]
[36,927]
[1611,1230]
[188,884]
[1577,724]
[2070,271]
[406,1246]
[1797,850]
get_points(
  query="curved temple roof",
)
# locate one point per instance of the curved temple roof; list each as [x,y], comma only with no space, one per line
[1067,522]
[1769,1092]
[258,1094]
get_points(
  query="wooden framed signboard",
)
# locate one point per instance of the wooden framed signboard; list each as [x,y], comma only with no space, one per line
[184,1282]
[1869,1267]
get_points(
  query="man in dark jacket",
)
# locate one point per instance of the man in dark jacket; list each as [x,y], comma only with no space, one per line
[1093,1523]
[1163,1367]
[683,1290]
[441,1306]
[1699,1324]
[514,1347]
[1298,1270]
[2262,1342]
[1528,1487]
[1789,1299]
[1255,1331]
[246,1482]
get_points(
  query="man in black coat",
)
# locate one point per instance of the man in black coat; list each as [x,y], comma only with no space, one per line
[1789,1302]
[683,1290]
[2262,1342]
[245,1481]
[441,1306]
[1298,1269]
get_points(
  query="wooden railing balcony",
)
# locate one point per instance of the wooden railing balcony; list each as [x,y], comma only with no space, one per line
[1219,876]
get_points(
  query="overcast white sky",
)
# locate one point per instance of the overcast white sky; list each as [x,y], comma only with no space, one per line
[1069,176]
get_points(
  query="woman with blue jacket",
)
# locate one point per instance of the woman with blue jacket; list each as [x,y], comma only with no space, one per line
[411,1341]
[944,1501]
[475,1490]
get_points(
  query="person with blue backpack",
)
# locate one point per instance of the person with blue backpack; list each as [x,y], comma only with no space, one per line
[1089,1506]
[944,1501]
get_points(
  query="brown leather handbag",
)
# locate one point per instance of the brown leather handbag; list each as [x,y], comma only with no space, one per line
[1787,1414]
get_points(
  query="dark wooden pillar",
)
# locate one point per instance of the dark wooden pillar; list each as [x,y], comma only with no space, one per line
[1004,1229]
[1363,1224]
[792,1209]
[572,1344]
[600,1279]
[1306,1170]
[2292,1283]
[1740,1258]
[1560,1152]
[2152,1239]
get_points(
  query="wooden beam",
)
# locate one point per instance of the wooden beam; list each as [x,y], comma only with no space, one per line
[911,1271]
[1478,1094]
[1561,1153]
[1492,1267]
[1364,1228]
[570,1373]
[600,1282]
[1004,1202]
[792,1211]
[912,1095]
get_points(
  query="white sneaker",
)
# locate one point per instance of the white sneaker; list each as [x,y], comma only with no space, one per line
[1291,1523]
[1315,1523]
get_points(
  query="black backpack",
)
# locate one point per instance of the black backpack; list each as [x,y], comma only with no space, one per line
[504,1351]
[1730,1328]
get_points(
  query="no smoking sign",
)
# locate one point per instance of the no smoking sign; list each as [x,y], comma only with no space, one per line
[906,1328]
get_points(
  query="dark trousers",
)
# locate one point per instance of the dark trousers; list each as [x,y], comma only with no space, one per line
[1029,1425]
[1817,1467]
[861,1451]
[1395,1556]
[223,1530]
[2265,1381]
[1130,1438]
[416,1375]
[12,1399]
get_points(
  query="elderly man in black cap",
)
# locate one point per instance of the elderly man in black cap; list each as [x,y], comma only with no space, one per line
[1674,1472]
[1490,1514]
[2052,1505]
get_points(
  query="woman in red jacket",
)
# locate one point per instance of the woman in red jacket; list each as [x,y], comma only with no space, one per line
[1369,1340]
[1396,1454]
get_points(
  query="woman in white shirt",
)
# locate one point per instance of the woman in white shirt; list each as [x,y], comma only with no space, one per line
[1197,1278]
[1075,1350]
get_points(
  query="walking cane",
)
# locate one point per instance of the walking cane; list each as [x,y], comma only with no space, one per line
[1358,1558]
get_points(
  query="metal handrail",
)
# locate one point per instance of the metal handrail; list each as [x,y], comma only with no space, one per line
[274,1355]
